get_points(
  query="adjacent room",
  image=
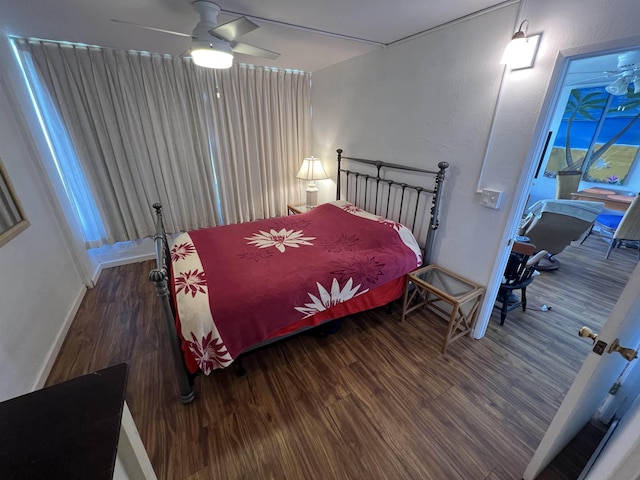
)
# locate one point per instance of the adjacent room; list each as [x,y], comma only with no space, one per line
[323,240]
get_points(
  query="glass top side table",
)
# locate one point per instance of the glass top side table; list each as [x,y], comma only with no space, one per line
[449,295]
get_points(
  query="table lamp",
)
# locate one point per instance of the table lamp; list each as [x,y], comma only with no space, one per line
[311,170]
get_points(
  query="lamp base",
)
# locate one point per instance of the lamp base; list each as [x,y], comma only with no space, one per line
[312,198]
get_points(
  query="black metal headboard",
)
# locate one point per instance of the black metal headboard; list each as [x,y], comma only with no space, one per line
[395,199]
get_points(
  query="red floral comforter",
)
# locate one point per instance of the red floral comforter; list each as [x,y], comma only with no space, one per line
[236,286]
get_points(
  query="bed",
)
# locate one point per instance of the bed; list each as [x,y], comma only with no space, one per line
[228,290]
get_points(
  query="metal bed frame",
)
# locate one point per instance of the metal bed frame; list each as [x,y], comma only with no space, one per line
[392,199]
[382,196]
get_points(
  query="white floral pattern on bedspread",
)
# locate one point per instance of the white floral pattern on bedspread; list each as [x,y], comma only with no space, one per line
[280,240]
[192,300]
[330,298]
[238,285]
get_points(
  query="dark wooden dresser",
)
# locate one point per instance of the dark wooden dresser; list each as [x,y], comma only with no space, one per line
[67,431]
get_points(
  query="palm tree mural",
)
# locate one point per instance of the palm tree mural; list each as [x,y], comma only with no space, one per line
[587,104]
[579,106]
[632,103]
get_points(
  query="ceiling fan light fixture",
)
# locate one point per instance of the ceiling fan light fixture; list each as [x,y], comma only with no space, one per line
[211,54]
[620,86]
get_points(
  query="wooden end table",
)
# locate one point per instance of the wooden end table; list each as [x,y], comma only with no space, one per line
[294,209]
[447,294]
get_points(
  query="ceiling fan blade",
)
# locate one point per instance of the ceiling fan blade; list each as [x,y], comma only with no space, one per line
[254,51]
[151,28]
[598,79]
[234,29]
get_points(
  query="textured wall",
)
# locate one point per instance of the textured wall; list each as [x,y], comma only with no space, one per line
[421,102]
[39,285]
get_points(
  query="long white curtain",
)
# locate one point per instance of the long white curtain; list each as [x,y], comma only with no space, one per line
[212,146]
[262,124]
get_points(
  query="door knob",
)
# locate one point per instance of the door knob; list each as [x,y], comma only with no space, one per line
[588,333]
[628,353]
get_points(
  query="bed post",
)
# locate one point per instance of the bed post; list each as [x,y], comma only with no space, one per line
[435,209]
[159,277]
[338,175]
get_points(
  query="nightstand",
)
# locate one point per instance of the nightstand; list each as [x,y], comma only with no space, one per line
[448,295]
[294,209]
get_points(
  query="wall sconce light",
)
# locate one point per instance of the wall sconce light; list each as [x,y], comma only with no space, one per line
[521,50]
[311,170]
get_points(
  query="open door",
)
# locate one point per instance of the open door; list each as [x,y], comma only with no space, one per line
[596,376]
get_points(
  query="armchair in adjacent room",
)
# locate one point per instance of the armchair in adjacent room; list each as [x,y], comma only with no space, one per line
[518,274]
[554,224]
[622,228]
[567,182]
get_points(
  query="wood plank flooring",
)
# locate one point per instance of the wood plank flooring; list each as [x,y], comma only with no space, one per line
[377,400]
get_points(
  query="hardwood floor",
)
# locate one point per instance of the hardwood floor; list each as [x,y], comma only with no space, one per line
[376,400]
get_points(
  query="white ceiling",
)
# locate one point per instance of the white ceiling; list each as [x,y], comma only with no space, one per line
[377,21]
[384,22]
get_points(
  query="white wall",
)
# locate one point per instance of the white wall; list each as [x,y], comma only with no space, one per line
[40,288]
[432,99]
[421,102]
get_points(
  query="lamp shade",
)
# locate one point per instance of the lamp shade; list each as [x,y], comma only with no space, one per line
[520,51]
[311,169]
[211,54]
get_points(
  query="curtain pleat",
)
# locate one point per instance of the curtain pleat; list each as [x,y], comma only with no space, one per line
[213,146]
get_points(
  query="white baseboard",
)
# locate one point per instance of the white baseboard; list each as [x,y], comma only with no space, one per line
[96,275]
[41,379]
[125,261]
[123,253]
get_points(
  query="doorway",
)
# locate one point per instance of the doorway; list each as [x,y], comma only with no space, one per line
[592,268]
[578,128]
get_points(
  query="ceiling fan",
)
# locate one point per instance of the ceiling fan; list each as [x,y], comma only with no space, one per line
[212,45]
[627,72]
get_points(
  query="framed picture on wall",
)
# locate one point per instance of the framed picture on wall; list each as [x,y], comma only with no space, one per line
[12,217]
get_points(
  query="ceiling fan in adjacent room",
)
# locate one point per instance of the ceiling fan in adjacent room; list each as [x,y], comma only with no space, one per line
[626,74]
[213,45]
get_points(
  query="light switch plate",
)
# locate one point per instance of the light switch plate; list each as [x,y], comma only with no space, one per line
[491,198]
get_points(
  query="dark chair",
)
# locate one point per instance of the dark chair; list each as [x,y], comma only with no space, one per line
[518,274]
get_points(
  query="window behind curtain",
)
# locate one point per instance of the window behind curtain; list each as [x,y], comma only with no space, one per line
[128,129]
[66,162]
